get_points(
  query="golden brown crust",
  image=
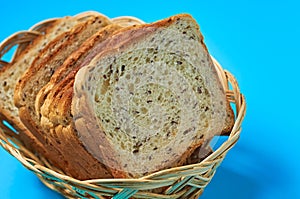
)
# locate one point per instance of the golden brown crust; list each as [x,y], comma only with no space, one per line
[59,44]
[61,94]
[60,152]
[65,74]
[229,121]
[7,107]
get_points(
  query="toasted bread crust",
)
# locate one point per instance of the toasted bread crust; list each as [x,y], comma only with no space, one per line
[35,78]
[11,73]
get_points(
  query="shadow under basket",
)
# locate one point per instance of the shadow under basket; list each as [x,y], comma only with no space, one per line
[187,181]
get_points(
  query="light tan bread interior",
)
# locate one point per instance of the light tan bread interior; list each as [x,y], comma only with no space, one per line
[149,103]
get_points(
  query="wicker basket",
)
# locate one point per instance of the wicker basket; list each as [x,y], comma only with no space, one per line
[186,181]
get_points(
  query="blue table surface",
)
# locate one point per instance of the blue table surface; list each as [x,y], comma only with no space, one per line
[257,41]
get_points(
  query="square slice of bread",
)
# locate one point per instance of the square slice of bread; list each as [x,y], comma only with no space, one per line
[147,104]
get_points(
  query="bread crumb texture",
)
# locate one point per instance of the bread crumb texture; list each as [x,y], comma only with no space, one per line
[155,99]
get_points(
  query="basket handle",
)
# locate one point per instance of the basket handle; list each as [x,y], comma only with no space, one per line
[39,27]
[16,39]
[23,39]
[127,21]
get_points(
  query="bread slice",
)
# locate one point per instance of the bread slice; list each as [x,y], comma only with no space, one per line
[37,76]
[57,94]
[51,58]
[11,73]
[147,104]
[55,110]
[66,73]
[41,27]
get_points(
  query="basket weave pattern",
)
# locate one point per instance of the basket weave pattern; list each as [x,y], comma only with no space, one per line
[186,181]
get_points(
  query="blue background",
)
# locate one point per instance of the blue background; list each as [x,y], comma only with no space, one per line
[257,40]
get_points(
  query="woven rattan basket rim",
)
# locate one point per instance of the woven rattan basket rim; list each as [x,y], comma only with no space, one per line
[167,177]
[195,176]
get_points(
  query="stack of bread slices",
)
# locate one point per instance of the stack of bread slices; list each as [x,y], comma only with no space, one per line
[115,98]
